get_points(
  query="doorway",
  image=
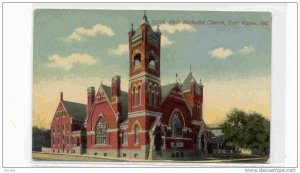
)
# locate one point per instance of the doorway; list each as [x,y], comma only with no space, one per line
[158,141]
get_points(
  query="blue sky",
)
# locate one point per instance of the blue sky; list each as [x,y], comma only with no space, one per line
[86,45]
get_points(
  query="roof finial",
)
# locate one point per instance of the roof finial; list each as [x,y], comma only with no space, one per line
[176,77]
[131,26]
[190,68]
[200,82]
[145,20]
[157,30]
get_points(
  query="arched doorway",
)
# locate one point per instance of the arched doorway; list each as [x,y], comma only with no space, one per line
[158,141]
[201,142]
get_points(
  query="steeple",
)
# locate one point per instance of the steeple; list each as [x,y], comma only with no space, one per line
[145,20]
[132,27]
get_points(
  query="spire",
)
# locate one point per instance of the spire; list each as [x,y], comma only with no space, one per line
[176,78]
[145,20]
[132,27]
[190,68]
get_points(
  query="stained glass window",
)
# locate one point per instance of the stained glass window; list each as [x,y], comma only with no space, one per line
[176,126]
[101,128]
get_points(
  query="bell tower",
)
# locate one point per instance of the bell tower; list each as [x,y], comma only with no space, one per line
[144,91]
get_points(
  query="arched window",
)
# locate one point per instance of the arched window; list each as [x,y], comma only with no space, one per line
[136,134]
[155,97]
[176,125]
[133,96]
[149,95]
[100,131]
[137,61]
[124,138]
[139,95]
[151,62]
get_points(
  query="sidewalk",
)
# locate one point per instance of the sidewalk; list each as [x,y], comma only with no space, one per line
[73,157]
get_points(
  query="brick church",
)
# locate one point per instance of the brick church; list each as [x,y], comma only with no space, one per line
[149,121]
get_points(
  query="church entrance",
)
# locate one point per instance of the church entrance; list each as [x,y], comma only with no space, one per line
[201,143]
[158,141]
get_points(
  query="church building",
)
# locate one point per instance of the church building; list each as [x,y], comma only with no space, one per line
[150,121]
[68,134]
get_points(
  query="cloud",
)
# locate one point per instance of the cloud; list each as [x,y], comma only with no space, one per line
[67,63]
[171,29]
[122,49]
[221,53]
[246,50]
[79,33]
[165,41]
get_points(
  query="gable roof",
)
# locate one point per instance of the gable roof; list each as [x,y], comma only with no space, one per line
[124,98]
[166,89]
[107,91]
[75,110]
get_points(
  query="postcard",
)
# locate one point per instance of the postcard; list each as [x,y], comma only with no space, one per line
[151,85]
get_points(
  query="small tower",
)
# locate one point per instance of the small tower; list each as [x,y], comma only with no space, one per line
[90,98]
[116,93]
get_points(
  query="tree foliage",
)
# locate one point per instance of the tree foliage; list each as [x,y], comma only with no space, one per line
[247,130]
[40,138]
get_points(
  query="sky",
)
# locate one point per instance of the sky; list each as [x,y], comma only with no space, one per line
[75,49]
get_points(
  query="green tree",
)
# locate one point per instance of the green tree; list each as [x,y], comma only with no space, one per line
[257,134]
[40,138]
[247,130]
[232,128]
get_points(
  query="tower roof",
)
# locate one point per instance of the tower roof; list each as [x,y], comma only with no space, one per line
[187,82]
[150,32]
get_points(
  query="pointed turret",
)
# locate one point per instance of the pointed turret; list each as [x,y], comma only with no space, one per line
[145,19]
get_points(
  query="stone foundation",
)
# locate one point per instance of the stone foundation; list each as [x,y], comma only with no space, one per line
[103,152]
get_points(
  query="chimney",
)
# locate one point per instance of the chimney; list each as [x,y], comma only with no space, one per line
[116,93]
[91,97]
[61,96]
[116,86]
